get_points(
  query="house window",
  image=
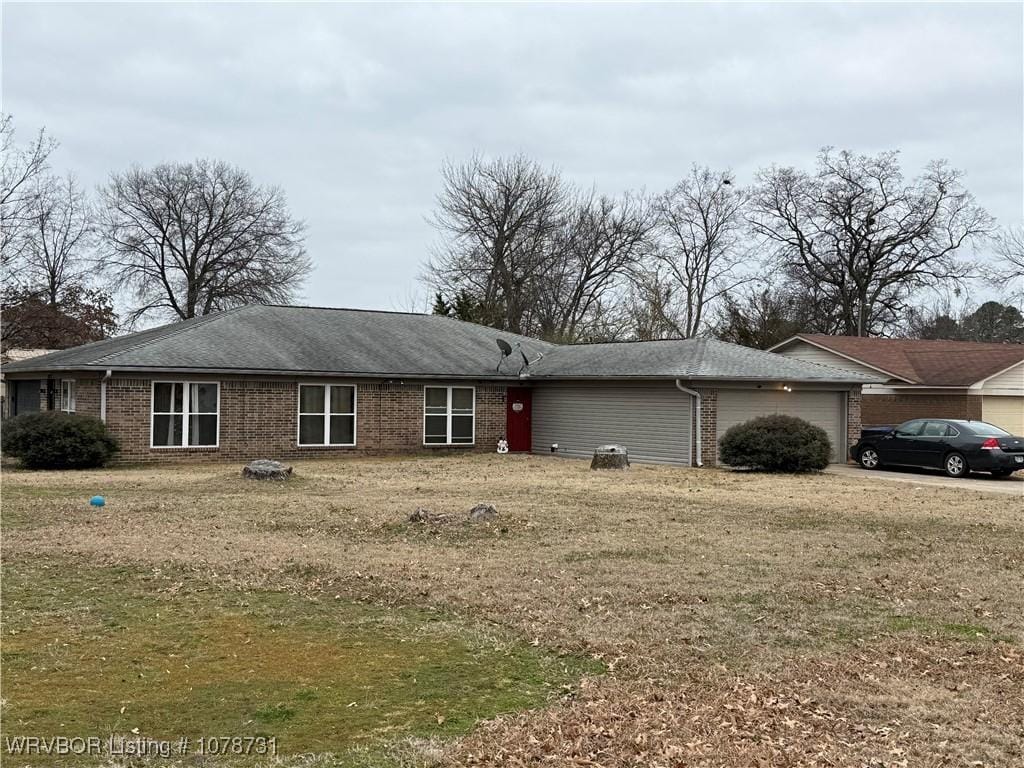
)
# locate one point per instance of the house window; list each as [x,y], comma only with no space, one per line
[448,415]
[327,414]
[67,395]
[185,414]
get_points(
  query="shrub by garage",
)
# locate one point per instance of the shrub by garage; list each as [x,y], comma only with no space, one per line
[58,441]
[776,444]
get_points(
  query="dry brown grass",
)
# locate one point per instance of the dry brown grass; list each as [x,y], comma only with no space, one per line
[746,619]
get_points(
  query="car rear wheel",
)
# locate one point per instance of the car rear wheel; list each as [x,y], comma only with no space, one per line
[869,459]
[956,465]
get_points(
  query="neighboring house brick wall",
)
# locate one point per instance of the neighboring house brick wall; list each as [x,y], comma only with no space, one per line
[259,419]
[878,410]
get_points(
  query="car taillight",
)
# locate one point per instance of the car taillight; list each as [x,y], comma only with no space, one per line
[990,445]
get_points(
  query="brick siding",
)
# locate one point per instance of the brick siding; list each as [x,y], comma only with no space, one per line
[259,418]
[708,428]
[854,408]
[879,410]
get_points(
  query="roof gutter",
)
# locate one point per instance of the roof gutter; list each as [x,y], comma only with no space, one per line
[696,396]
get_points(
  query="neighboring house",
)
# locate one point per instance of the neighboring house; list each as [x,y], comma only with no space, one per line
[944,379]
[29,398]
[296,382]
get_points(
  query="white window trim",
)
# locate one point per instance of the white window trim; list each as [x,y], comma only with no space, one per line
[326,414]
[448,414]
[185,395]
[71,395]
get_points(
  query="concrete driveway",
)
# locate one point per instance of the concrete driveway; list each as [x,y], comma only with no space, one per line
[1012,485]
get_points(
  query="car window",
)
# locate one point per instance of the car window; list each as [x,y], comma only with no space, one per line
[910,428]
[935,429]
[984,429]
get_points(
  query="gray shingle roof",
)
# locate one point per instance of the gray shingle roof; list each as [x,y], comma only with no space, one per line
[308,339]
[355,342]
[683,359]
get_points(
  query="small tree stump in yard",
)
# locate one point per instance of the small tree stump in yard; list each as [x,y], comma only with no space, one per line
[265,469]
[610,457]
[483,512]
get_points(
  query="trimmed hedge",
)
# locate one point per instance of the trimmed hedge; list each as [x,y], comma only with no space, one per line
[776,444]
[51,440]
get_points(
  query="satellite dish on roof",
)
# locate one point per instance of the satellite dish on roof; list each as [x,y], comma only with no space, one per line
[506,350]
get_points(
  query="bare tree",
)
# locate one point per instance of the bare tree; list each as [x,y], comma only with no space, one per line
[1008,271]
[595,255]
[59,232]
[862,234]
[499,217]
[767,312]
[20,169]
[187,239]
[699,251]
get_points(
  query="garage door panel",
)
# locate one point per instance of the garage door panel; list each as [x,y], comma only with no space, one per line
[823,409]
[651,420]
[1006,412]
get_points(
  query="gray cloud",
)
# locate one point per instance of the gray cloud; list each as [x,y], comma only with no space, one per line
[351,108]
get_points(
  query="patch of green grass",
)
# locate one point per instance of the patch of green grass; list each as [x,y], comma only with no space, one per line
[923,625]
[99,651]
[642,555]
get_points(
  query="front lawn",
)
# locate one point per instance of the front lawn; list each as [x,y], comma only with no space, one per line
[126,651]
[662,615]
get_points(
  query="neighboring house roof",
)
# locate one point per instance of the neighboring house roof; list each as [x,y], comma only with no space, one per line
[355,342]
[11,355]
[930,363]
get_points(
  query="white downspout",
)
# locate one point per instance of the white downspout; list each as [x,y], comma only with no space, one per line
[103,395]
[695,394]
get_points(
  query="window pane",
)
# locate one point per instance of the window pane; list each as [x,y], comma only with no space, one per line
[167,430]
[202,430]
[311,400]
[462,429]
[162,397]
[203,398]
[343,400]
[343,430]
[311,429]
[436,429]
[462,400]
[437,398]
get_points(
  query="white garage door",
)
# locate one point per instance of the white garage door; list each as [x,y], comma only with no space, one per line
[1004,411]
[651,420]
[823,409]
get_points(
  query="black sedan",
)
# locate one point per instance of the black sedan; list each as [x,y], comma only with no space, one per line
[954,445]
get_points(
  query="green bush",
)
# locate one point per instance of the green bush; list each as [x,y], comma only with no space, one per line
[776,444]
[52,440]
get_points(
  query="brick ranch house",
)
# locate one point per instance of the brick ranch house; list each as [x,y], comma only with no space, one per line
[295,382]
[940,379]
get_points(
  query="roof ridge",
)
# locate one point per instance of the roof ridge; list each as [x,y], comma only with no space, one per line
[344,309]
[175,329]
[904,340]
[410,314]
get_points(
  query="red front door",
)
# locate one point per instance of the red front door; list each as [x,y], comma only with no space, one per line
[517,420]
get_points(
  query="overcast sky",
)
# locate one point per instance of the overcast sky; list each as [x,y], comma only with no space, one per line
[352,108]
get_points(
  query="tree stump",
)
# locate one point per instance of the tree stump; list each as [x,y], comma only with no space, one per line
[483,512]
[265,469]
[610,457]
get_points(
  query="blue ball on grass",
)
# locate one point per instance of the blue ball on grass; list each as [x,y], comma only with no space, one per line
[97,501]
